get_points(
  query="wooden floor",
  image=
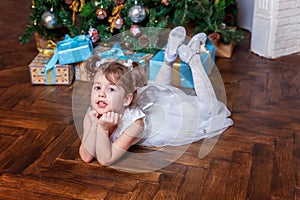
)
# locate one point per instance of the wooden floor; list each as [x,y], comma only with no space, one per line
[256,159]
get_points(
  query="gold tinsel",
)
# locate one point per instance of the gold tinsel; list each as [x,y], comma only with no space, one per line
[116,12]
[76,8]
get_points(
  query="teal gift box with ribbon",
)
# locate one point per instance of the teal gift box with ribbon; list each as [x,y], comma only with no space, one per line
[116,52]
[182,74]
[110,54]
[71,50]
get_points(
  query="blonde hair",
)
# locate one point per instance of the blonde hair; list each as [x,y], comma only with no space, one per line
[130,78]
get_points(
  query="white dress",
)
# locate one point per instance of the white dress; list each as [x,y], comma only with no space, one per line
[173,118]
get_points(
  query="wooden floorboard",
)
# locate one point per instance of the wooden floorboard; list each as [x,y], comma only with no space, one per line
[258,158]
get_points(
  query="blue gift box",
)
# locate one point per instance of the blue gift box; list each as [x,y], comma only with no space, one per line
[71,50]
[182,74]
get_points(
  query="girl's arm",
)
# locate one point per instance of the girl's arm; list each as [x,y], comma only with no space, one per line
[107,152]
[87,148]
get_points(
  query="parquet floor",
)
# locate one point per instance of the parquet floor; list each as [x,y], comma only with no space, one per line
[256,159]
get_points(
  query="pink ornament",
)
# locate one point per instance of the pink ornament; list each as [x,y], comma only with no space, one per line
[69,2]
[135,30]
[165,2]
[119,23]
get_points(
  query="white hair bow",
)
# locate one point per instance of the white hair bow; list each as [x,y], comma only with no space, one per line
[128,64]
[100,62]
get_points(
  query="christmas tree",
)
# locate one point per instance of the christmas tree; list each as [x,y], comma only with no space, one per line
[52,19]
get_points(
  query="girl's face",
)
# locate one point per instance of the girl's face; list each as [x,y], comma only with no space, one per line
[107,96]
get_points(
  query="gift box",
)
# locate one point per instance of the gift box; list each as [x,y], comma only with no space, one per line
[44,46]
[182,74]
[58,75]
[222,50]
[113,53]
[71,50]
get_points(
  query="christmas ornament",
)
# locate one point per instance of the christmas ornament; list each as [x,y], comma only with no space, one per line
[222,26]
[49,19]
[137,13]
[165,2]
[32,4]
[135,30]
[94,35]
[115,18]
[229,18]
[119,2]
[143,41]
[69,2]
[101,13]
[119,23]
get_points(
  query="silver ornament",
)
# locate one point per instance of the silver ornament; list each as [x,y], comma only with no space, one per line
[49,19]
[137,13]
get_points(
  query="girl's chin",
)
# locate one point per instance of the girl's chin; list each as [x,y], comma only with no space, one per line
[102,111]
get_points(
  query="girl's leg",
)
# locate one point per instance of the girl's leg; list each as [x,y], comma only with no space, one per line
[176,38]
[201,81]
[164,75]
[215,112]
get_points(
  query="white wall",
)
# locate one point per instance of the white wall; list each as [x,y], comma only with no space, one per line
[245,14]
[276,28]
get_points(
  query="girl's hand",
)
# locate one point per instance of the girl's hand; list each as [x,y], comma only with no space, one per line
[109,120]
[93,116]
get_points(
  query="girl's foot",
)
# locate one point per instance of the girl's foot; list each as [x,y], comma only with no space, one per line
[176,38]
[186,52]
[196,41]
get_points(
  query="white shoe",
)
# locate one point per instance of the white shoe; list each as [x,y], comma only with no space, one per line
[176,38]
[186,53]
[196,42]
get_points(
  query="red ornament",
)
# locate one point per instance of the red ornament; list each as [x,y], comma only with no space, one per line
[94,35]
[101,13]
[135,30]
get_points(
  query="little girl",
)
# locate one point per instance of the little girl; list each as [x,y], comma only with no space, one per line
[126,109]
